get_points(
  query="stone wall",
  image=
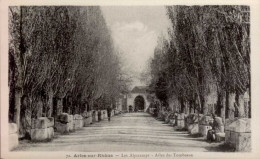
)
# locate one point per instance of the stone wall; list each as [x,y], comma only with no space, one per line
[12,136]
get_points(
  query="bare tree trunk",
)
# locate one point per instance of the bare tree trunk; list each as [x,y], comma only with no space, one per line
[231,101]
[50,103]
[191,106]
[199,104]
[241,107]
[223,106]
[59,105]
[39,108]
[18,82]
[227,109]
[219,102]
[182,105]
[28,117]
[11,73]
[69,105]
[18,97]
[186,104]
[205,105]
[247,104]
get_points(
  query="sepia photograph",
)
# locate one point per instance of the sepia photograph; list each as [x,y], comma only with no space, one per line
[126,78]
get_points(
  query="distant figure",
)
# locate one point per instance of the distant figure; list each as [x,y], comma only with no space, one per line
[109,109]
[130,108]
[211,136]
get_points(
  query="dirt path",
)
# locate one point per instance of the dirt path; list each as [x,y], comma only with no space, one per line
[125,132]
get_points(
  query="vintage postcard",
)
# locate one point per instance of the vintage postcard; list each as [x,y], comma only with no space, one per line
[130,79]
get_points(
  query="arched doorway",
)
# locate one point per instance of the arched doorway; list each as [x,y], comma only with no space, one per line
[139,103]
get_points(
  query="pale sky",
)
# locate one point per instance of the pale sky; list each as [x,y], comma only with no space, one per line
[135,30]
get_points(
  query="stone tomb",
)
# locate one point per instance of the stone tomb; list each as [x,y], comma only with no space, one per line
[166,118]
[87,118]
[238,135]
[180,123]
[160,115]
[171,118]
[13,136]
[220,137]
[78,121]
[64,123]
[220,125]
[220,134]
[94,116]
[172,121]
[204,125]
[104,113]
[175,119]
[112,112]
[71,123]
[192,121]
[42,129]
[117,112]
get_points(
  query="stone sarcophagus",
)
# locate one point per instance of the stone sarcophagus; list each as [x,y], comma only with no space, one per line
[87,118]
[219,126]
[192,122]
[13,136]
[112,112]
[78,121]
[238,134]
[104,114]
[219,129]
[180,123]
[42,129]
[117,112]
[64,123]
[171,119]
[94,116]
[71,123]
[166,118]
[204,125]
[160,115]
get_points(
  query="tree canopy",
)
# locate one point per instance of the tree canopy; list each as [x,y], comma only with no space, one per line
[208,46]
[58,52]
